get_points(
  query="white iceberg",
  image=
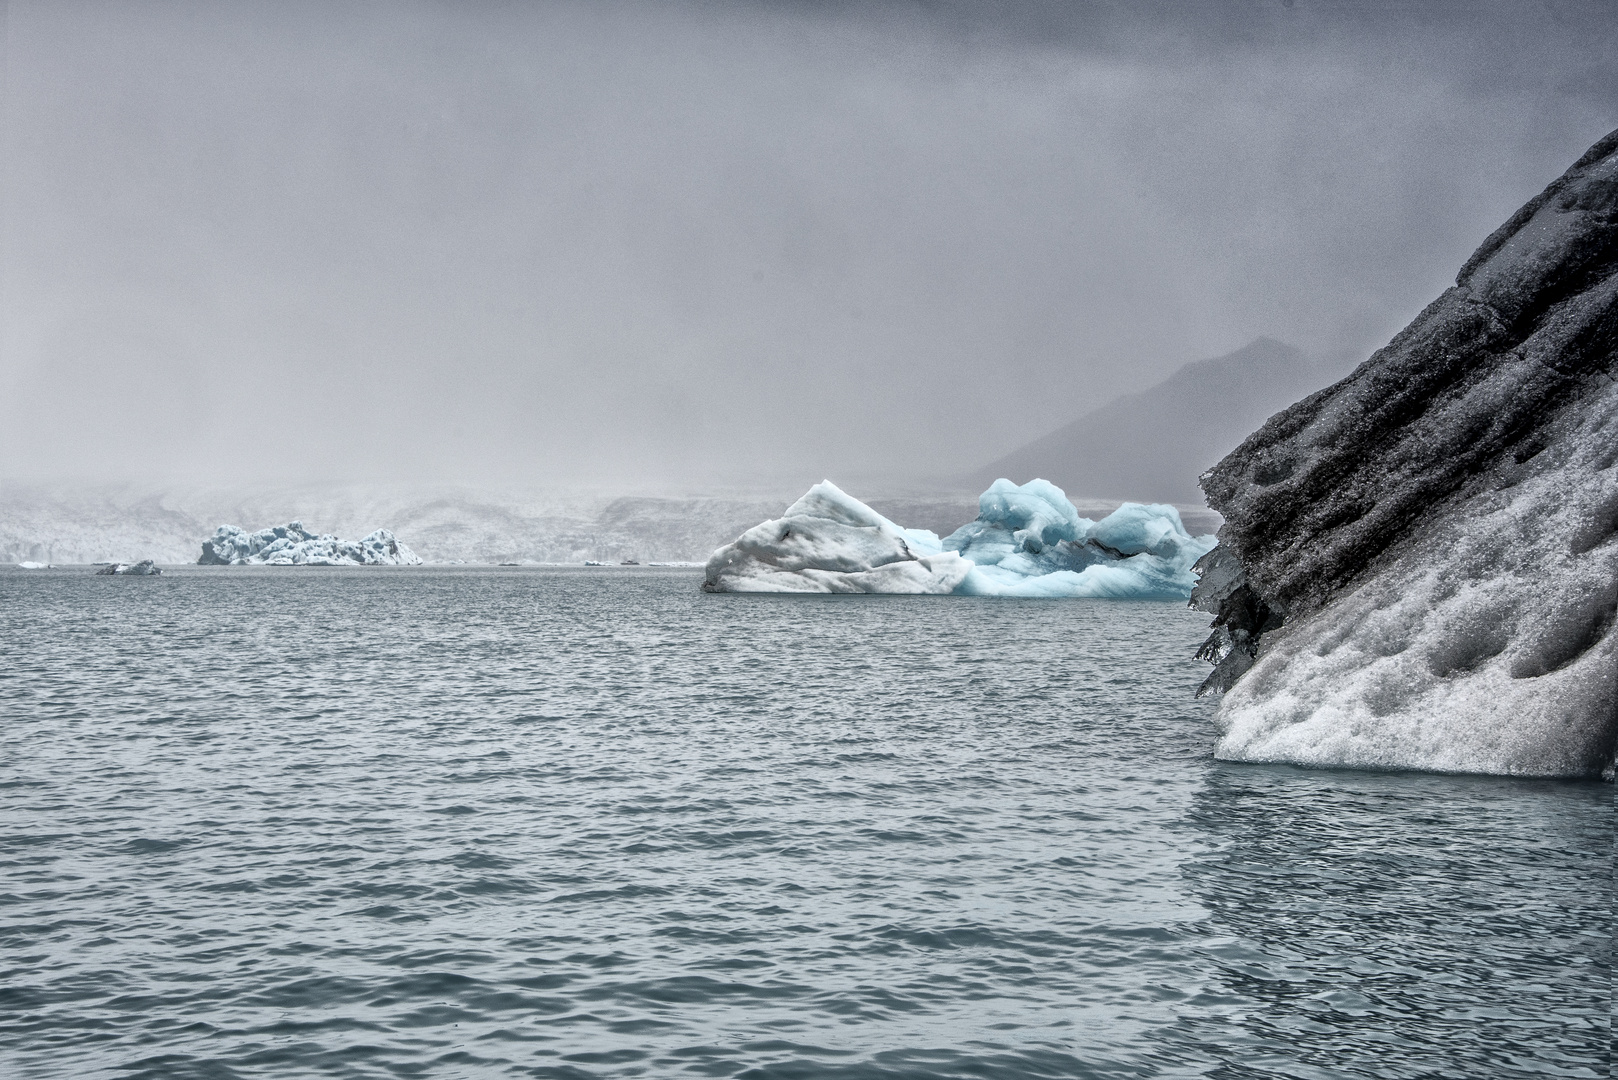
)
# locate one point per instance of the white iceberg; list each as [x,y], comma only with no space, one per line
[1027,541]
[830,542]
[293,545]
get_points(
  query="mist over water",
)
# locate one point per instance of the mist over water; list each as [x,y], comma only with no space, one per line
[681,245]
[575,823]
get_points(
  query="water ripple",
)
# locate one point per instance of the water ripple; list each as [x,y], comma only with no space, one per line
[551,823]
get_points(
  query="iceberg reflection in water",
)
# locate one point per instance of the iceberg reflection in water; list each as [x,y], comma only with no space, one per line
[1027,541]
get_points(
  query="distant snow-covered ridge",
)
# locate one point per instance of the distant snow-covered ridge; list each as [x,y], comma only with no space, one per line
[293,545]
[77,524]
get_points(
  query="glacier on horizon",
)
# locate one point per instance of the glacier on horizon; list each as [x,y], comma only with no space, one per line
[293,545]
[1027,541]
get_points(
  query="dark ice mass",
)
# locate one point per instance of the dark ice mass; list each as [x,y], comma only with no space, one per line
[1419,565]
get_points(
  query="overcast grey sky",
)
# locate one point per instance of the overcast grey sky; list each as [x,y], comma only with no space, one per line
[682,244]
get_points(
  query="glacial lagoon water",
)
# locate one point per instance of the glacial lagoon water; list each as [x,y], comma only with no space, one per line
[426,822]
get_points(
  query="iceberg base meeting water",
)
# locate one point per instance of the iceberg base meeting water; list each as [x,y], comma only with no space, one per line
[407,822]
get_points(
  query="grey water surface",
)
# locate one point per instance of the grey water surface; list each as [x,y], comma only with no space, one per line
[425,822]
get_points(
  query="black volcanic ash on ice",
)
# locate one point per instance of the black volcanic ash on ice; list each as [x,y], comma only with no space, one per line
[1418,566]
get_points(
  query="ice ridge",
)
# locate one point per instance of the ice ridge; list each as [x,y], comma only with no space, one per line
[293,545]
[1027,541]
[1419,565]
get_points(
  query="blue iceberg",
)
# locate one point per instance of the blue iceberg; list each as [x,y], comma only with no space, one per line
[1028,540]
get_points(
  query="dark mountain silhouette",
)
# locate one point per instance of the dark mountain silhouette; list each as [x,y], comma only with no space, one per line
[1152,446]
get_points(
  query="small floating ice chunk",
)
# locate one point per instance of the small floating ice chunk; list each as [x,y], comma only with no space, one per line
[144,568]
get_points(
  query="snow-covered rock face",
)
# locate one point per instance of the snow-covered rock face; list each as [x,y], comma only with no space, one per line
[1027,541]
[1419,565]
[292,545]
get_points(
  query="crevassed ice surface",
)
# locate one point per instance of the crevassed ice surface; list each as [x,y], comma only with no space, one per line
[293,545]
[598,824]
[1028,540]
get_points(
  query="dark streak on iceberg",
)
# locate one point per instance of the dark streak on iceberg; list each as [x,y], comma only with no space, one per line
[1417,567]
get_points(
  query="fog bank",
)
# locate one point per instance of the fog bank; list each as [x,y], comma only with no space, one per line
[682,245]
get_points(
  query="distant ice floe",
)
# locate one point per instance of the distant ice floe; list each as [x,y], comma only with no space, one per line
[33,566]
[293,545]
[144,568]
[1027,541]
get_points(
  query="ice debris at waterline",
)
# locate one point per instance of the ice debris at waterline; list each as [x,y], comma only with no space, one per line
[143,569]
[293,545]
[1027,541]
[1419,565]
